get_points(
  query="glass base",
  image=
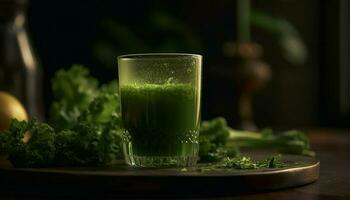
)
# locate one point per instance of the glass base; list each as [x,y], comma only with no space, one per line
[161,161]
[187,160]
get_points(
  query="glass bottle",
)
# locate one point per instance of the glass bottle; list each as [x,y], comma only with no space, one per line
[20,73]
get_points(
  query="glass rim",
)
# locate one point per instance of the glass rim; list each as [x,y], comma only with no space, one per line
[157,55]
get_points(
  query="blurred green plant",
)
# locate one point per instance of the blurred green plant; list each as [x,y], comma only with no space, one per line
[162,32]
[293,47]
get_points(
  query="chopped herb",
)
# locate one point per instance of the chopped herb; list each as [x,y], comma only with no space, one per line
[249,163]
[244,163]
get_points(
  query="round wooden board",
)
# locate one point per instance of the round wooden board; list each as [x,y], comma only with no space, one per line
[120,180]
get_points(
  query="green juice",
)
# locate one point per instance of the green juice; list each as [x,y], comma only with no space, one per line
[160,121]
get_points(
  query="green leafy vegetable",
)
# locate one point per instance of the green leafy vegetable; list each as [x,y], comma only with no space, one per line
[79,146]
[73,90]
[4,138]
[218,141]
[213,137]
[84,145]
[104,113]
[103,107]
[39,151]
[86,123]
[93,137]
[293,141]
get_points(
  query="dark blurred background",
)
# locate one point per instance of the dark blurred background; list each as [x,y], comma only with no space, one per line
[311,93]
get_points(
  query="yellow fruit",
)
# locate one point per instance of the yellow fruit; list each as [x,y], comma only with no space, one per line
[11,107]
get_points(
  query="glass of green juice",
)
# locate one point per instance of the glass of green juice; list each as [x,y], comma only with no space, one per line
[160,106]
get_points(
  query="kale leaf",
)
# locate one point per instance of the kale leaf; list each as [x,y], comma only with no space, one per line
[218,141]
[213,136]
[78,147]
[85,144]
[73,90]
[38,152]
[85,120]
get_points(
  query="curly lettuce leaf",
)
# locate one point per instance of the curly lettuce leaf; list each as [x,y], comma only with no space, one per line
[73,90]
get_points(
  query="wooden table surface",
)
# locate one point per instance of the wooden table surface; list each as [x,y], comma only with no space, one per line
[333,150]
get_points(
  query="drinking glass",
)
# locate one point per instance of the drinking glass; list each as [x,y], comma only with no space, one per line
[160,106]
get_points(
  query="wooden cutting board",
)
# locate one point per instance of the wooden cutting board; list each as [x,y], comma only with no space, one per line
[121,180]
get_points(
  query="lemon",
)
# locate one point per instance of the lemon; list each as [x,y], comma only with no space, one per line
[11,107]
